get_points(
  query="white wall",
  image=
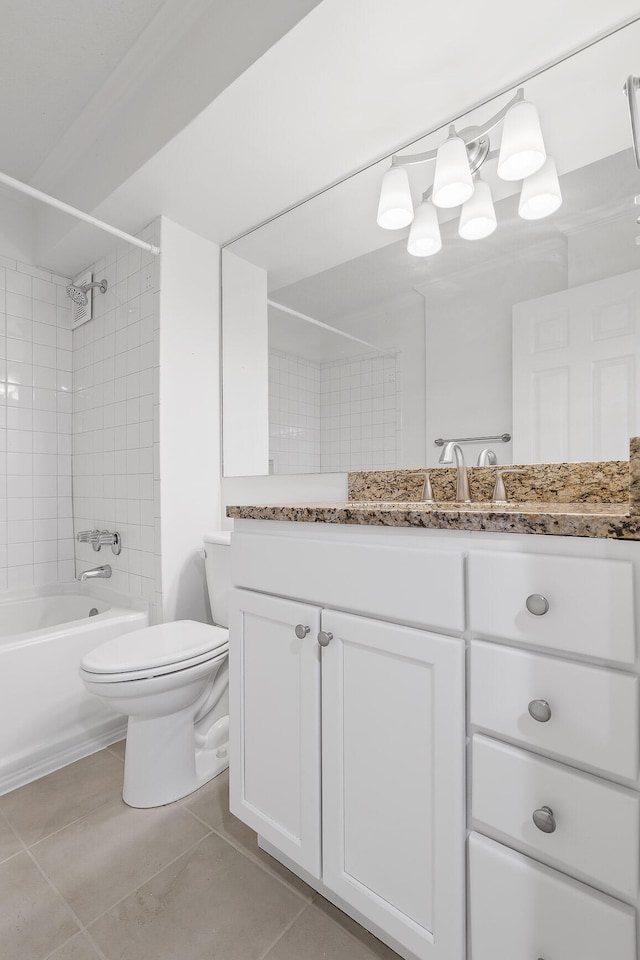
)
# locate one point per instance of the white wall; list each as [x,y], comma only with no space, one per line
[245,347]
[16,226]
[602,250]
[468,345]
[189,432]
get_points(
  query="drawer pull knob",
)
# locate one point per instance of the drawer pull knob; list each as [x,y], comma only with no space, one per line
[302,631]
[325,638]
[544,819]
[540,710]
[537,604]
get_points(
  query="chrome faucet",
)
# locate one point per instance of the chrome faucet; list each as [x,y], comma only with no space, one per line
[487,458]
[449,451]
[102,573]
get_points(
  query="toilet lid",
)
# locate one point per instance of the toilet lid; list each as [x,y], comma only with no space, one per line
[161,645]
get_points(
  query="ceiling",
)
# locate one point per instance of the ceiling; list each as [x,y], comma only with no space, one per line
[584,118]
[217,125]
[54,56]
[354,80]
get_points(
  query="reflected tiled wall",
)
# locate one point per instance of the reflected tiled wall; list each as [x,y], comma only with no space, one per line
[334,416]
[294,414]
[36,526]
[115,462]
[361,413]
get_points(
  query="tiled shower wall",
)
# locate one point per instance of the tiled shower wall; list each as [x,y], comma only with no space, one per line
[116,425]
[36,526]
[334,416]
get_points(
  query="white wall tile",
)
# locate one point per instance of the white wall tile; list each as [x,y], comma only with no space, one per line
[29,468]
[113,423]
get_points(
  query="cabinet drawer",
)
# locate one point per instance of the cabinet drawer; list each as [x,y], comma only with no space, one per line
[590,603]
[594,711]
[521,910]
[402,583]
[596,836]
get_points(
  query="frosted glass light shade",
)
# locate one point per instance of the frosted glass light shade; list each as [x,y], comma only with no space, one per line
[541,195]
[424,236]
[522,149]
[453,183]
[395,208]
[478,216]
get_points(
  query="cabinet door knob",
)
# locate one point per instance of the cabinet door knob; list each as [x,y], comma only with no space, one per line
[302,631]
[540,710]
[537,604]
[325,638]
[544,819]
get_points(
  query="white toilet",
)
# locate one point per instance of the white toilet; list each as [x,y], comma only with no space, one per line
[172,681]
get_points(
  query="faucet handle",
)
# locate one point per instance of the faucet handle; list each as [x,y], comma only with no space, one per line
[499,492]
[427,491]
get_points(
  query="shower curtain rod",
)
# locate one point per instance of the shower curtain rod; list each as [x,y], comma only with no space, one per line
[325,326]
[78,214]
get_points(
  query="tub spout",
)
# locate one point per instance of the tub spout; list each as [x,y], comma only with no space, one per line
[103,573]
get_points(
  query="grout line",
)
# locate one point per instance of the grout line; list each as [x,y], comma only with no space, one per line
[83,935]
[59,896]
[117,755]
[251,857]
[286,930]
[85,928]
[146,881]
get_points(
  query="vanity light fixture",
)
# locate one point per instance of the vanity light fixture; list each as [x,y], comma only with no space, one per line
[522,149]
[478,215]
[541,195]
[522,156]
[395,209]
[424,236]
[453,182]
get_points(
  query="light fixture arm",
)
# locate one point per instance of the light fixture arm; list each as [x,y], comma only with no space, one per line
[631,88]
[469,135]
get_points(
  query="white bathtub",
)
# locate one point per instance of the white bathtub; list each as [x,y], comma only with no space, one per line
[47,718]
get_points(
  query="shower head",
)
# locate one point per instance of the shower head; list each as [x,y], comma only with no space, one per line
[79,293]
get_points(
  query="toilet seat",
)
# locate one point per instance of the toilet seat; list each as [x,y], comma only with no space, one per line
[156,651]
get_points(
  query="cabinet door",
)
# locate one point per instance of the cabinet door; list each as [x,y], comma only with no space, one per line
[393,741]
[274,713]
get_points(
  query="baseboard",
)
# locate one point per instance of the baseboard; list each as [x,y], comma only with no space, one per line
[56,755]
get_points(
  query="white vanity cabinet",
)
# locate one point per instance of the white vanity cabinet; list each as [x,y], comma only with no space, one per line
[274,706]
[348,739]
[393,779]
[348,754]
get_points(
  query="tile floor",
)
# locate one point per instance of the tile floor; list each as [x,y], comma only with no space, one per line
[83,876]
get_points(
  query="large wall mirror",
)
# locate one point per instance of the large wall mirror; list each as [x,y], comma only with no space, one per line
[343,351]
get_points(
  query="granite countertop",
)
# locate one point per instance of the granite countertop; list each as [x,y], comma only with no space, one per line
[582,499]
[610,520]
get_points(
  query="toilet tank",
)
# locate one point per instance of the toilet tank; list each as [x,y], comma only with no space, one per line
[217,548]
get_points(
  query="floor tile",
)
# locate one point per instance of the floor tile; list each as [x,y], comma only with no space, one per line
[9,843]
[211,903]
[322,932]
[211,804]
[118,748]
[39,808]
[33,919]
[79,948]
[98,860]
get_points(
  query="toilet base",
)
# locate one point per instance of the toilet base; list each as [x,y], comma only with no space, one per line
[162,762]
